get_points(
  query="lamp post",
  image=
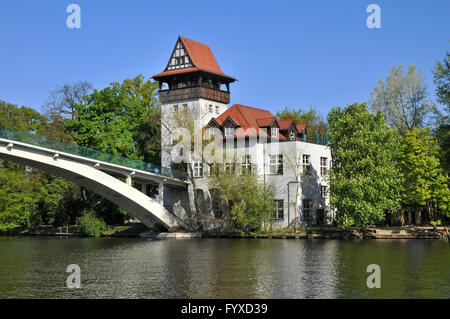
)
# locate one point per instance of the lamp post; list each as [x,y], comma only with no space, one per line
[10,118]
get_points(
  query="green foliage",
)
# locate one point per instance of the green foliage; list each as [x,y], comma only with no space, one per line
[19,197]
[92,225]
[402,98]
[313,121]
[24,118]
[441,79]
[424,183]
[364,181]
[252,202]
[110,119]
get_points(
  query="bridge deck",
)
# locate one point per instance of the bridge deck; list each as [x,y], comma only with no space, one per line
[113,164]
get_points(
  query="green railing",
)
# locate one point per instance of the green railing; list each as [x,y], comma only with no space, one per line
[74,149]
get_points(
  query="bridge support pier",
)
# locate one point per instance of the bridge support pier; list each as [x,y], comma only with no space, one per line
[161,193]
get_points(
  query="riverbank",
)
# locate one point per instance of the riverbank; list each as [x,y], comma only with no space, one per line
[138,230]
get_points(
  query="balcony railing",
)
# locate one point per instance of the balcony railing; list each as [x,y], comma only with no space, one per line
[193,93]
[74,149]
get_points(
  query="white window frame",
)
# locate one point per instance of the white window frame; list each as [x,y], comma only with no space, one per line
[217,109]
[306,164]
[292,135]
[229,131]
[197,168]
[307,206]
[274,132]
[247,164]
[276,164]
[175,108]
[323,166]
[323,191]
[279,212]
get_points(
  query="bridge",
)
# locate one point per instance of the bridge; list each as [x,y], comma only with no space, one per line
[98,171]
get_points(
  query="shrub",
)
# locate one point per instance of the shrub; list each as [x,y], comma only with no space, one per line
[92,225]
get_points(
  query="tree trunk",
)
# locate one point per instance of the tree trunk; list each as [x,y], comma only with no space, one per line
[196,204]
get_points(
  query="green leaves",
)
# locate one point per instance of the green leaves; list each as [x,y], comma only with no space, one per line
[111,119]
[252,201]
[364,178]
[424,182]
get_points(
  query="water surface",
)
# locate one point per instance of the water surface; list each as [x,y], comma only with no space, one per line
[35,267]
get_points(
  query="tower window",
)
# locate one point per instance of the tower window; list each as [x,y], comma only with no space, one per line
[217,109]
[210,108]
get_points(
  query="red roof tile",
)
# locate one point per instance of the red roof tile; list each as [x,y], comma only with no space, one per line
[202,58]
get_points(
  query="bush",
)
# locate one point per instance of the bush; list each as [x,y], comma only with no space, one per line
[92,225]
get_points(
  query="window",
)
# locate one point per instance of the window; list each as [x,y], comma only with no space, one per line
[276,164]
[279,213]
[292,135]
[210,108]
[229,167]
[323,166]
[184,107]
[274,132]
[323,191]
[229,131]
[246,164]
[217,109]
[198,169]
[306,164]
[181,152]
[307,208]
[175,108]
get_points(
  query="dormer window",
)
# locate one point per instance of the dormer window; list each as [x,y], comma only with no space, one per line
[229,131]
[274,132]
[292,135]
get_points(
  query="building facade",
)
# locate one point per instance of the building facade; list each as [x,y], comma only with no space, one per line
[194,95]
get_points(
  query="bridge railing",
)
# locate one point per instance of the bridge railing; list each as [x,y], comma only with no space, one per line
[82,151]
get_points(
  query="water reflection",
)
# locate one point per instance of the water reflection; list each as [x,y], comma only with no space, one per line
[222,268]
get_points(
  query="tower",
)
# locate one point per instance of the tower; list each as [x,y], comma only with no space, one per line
[194,81]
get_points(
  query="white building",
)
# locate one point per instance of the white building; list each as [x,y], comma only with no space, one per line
[277,150]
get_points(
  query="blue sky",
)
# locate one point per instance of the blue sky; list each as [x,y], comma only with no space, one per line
[283,53]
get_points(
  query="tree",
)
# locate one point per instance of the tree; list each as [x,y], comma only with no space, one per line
[403,99]
[442,81]
[19,197]
[364,182]
[62,100]
[110,120]
[251,201]
[188,120]
[424,183]
[314,122]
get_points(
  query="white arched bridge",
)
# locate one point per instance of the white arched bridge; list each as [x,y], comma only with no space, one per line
[97,171]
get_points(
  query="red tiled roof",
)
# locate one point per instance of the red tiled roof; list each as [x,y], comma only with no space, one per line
[265,122]
[202,58]
[248,117]
[284,124]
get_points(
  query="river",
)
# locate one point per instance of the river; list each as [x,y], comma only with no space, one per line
[35,267]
